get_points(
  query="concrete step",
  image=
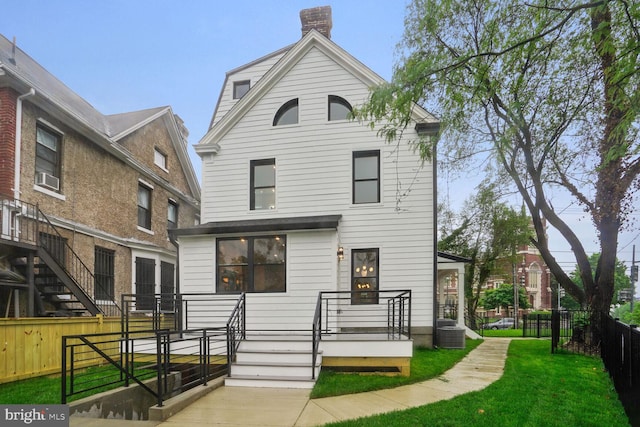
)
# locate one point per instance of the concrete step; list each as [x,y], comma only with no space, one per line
[276,356]
[270,382]
[275,345]
[272,369]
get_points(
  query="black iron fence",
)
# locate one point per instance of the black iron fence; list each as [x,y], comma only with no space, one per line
[536,325]
[620,349]
[575,331]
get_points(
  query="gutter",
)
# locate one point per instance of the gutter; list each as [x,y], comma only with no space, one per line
[18,146]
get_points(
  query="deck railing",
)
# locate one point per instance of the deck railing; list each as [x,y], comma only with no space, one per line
[374,313]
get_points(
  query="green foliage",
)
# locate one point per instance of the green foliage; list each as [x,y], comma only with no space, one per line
[502,296]
[488,232]
[547,97]
[621,281]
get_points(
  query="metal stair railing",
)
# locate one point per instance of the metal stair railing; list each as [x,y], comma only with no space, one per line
[26,223]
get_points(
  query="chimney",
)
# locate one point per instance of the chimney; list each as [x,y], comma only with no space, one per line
[317,18]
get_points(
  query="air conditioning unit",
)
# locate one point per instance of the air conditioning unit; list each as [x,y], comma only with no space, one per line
[43,179]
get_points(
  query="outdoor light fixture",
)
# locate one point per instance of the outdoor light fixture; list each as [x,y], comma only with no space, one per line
[340,253]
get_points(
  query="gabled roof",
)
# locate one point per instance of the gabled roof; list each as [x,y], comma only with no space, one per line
[209,142]
[20,71]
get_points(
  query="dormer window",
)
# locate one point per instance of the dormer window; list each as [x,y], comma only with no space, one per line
[287,114]
[339,108]
[241,88]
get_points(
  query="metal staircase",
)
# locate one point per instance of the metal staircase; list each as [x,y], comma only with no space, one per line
[59,282]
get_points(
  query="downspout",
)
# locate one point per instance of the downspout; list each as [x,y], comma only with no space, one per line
[16,176]
[435,247]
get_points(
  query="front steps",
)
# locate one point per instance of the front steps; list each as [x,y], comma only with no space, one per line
[277,363]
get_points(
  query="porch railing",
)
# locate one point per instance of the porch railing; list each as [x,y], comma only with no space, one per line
[236,330]
[384,313]
[25,223]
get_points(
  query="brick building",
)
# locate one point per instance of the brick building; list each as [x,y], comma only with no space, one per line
[85,197]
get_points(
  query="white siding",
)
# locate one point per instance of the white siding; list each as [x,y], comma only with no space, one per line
[314,177]
[253,73]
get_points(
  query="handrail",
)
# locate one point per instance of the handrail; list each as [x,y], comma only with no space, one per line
[74,268]
[236,330]
[316,335]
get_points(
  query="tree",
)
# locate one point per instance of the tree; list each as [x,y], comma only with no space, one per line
[502,296]
[621,281]
[488,232]
[550,90]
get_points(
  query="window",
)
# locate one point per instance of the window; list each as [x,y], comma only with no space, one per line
[104,274]
[253,264]
[240,88]
[339,108]
[287,114]
[145,283]
[263,184]
[48,146]
[167,286]
[160,159]
[364,276]
[172,214]
[366,176]
[144,206]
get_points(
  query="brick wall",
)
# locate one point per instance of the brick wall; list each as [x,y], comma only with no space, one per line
[8,99]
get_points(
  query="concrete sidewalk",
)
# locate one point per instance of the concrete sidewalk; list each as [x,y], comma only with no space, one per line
[241,406]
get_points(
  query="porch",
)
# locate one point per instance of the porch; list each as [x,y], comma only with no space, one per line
[205,336]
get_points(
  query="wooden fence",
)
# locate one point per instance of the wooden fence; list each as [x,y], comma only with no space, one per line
[32,347]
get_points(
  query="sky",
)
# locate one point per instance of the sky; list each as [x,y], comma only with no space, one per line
[128,55]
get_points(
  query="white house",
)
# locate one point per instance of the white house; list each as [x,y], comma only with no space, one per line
[299,199]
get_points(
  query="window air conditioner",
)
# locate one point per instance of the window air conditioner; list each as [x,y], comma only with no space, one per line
[43,179]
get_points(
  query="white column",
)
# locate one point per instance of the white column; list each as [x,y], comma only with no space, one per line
[461,304]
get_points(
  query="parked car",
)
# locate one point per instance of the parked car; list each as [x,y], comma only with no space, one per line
[504,323]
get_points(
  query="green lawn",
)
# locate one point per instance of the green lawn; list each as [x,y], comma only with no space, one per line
[537,389]
[426,363]
[43,390]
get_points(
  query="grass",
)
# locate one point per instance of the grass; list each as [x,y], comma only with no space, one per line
[537,388]
[47,390]
[425,363]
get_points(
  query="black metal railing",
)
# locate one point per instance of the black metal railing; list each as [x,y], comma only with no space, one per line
[448,311]
[99,362]
[155,342]
[236,329]
[25,223]
[187,311]
[316,336]
[336,314]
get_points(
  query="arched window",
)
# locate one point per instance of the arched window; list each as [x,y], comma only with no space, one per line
[339,108]
[287,114]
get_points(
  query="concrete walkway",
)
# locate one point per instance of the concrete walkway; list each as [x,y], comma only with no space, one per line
[241,406]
